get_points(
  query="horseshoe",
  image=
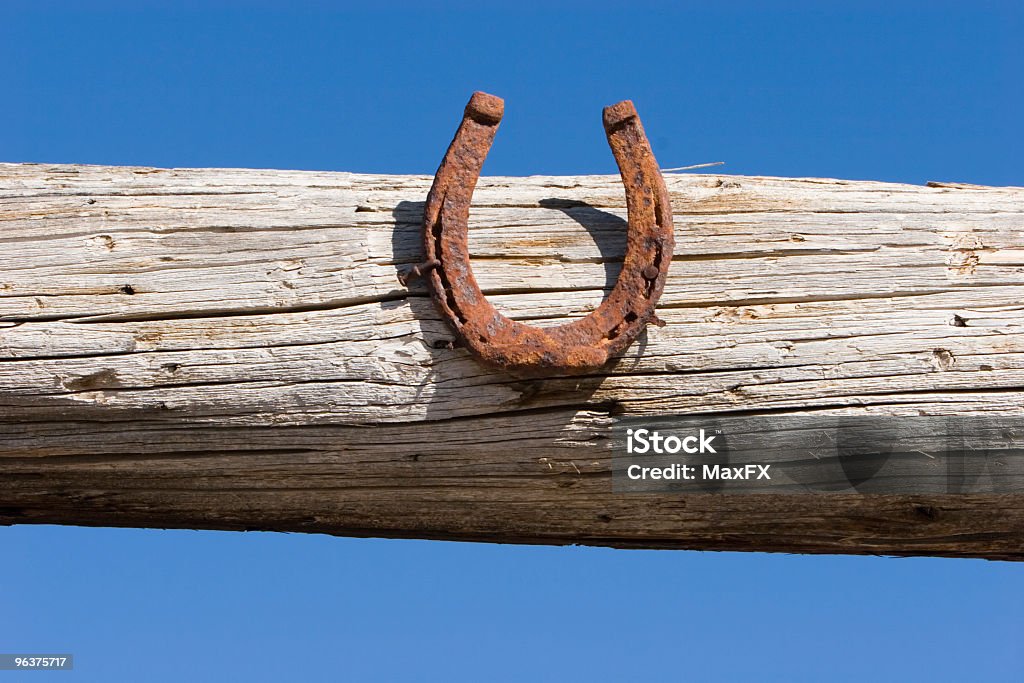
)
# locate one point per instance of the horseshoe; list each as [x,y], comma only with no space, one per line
[576,347]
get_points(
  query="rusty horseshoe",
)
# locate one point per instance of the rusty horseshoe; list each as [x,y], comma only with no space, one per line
[575,347]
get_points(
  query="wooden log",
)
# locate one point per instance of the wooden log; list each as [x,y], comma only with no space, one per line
[231,349]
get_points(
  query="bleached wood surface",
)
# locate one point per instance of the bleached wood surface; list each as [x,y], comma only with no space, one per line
[226,348]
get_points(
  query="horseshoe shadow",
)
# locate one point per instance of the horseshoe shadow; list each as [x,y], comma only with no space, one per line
[606,229]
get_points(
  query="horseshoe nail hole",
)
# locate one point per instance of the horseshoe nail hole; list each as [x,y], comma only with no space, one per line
[626,320]
[483,339]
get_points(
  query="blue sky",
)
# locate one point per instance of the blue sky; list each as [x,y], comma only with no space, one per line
[904,92]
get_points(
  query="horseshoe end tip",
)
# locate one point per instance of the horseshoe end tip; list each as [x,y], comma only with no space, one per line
[485,108]
[618,113]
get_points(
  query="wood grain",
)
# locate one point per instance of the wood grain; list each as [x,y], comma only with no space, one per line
[231,349]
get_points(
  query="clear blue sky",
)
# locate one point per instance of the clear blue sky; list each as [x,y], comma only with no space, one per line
[890,91]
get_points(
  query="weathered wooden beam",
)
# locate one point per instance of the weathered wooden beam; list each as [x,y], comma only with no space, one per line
[231,349]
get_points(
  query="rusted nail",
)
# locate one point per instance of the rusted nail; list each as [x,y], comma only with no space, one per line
[576,347]
[417,271]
